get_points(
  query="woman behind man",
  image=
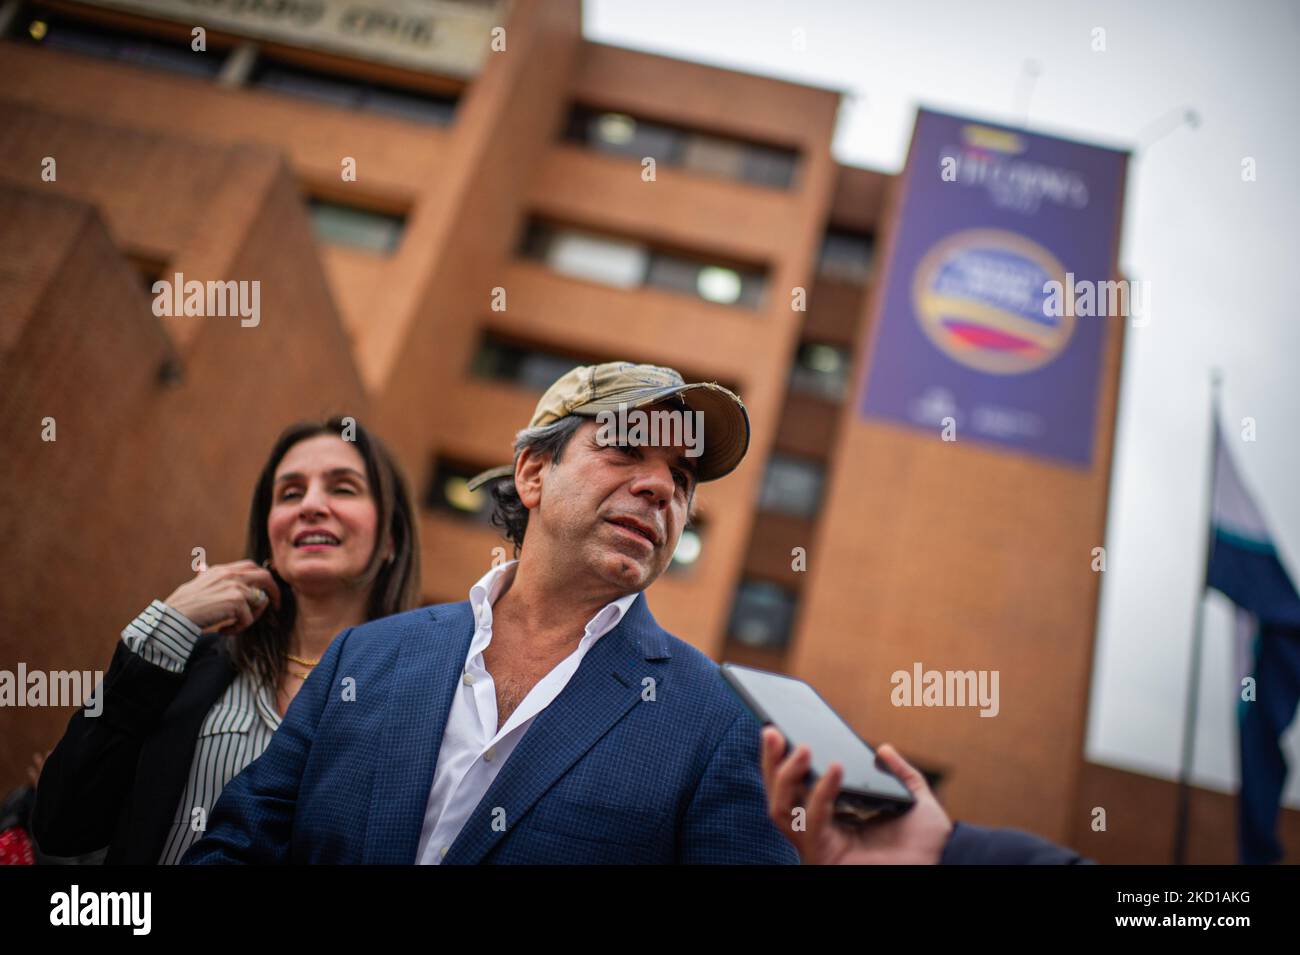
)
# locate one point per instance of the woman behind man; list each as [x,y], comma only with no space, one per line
[200,681]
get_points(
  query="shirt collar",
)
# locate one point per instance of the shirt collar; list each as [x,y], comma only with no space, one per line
[485,592]
[264,704]
[488,588]
[610,616]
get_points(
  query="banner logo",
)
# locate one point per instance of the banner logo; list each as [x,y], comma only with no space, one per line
[979,297]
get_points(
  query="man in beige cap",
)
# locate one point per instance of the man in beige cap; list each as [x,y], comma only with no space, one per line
[548,718]
[598,402]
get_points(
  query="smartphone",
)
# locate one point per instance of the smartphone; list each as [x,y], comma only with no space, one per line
[801,715]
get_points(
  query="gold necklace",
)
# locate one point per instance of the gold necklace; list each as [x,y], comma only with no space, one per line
[301,676]
[306,663]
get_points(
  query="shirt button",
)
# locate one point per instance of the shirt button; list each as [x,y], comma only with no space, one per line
[442,853]
[467,679]
[491,752]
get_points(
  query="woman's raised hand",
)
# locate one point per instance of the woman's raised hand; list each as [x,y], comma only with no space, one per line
[227,597]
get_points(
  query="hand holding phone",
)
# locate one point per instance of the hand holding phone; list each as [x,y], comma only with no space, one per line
[801,715]
[916,837]
[886,815]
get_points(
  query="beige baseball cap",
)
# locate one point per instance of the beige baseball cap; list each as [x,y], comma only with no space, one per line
[591,389]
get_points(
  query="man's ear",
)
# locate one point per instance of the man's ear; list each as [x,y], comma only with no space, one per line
[528,477]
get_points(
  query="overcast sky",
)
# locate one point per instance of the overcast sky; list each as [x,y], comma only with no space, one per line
[1219,255]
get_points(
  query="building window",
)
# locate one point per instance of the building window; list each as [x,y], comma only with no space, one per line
[623,135]
[597,259]
[821,370]
[846,256]
[625,263]
[715,156]
[770,166]
[123,46]
[762,615]
[338,224]
[537,368]
[448,492]
[713,283]
[530,368]
[690,546]
[352,93]
[791,486]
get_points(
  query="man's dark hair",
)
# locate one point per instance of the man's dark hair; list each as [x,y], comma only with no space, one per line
[508,511]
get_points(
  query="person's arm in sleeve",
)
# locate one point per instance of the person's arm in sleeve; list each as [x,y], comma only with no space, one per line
[976,845]
[727,821]
[252,822]
[162,636]
[88,776]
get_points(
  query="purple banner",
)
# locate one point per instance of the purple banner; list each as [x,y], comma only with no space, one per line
[992,316]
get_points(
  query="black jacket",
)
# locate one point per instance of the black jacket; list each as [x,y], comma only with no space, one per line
[115,779]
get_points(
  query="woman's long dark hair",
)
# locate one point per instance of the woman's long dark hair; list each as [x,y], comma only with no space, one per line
[262,649]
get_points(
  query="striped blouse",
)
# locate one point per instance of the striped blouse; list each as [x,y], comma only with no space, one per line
[233,734]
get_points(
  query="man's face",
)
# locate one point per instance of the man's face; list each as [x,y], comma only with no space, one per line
[614,511]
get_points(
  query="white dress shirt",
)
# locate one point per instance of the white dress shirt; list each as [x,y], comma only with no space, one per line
[473,749]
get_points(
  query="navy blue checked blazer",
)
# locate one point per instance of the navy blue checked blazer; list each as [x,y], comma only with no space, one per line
[601,776]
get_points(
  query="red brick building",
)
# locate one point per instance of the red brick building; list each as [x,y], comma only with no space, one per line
[441,228]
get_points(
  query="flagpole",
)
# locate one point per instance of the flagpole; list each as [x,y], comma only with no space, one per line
[1198,638]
